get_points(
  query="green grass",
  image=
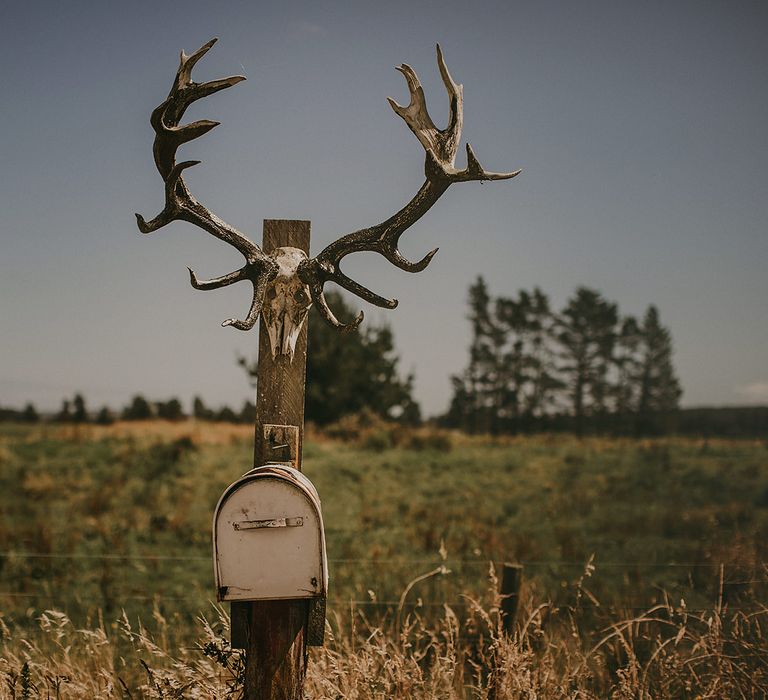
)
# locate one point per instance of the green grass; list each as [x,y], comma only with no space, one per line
[122,521]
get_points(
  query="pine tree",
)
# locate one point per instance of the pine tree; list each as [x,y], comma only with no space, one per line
[80,413]
[65,412]
[226,415]
[476,391]
[104,416]
[169,410]
[247,413]
[510,379]
[527,363]
[349,373]
[659,390]
[542,357]
[30,414]
[627,361]
[199,409]
[356,371]
[509,361]
[587,335]
[139,409]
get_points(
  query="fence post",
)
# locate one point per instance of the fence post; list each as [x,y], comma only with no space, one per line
[276,644]
[512,578]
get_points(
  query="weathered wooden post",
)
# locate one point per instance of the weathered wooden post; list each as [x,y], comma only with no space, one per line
[275,630]
[268,536]
[511,580]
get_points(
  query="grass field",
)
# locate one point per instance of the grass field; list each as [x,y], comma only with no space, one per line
[95,521]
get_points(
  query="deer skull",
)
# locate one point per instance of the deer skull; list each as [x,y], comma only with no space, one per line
[286,302]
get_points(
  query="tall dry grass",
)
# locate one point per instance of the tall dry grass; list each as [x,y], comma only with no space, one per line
[666,652]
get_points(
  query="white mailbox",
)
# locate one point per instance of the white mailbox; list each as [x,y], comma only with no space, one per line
[268,538]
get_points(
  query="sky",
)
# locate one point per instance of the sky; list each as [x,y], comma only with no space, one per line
[640,128]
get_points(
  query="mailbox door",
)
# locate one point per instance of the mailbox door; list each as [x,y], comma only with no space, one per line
[269,542]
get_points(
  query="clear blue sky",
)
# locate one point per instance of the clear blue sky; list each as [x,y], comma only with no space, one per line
[641,128]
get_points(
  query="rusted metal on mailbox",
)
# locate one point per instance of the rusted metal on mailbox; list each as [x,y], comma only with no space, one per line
[268,538]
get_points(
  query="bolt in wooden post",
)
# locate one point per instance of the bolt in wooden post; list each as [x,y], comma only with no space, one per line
[276,648]
[511,579]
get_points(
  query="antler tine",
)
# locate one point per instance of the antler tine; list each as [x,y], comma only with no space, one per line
[442,142]
[475,171]
[187,63]
[440,146]
[318,297]
[180,205]
[173,203]
[223,281]
[259,287]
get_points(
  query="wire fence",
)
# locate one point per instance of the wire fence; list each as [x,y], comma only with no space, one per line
[362,603]
[372,563]
[385,562]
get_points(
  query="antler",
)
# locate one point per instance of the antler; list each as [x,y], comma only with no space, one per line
[440,146]
[180,205]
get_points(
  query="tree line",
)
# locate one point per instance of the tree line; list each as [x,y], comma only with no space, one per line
[76,411]
[346,374]
[583,368]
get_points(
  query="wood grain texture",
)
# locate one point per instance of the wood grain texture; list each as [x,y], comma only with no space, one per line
[276,652]
[276,658]
[280,383]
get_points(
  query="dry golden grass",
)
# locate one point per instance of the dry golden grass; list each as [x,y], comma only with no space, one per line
[668,652]
[359,429]
[141,432]
[707,494]
[200,432]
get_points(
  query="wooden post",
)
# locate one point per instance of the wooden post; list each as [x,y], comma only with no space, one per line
[276,648]
[511,579]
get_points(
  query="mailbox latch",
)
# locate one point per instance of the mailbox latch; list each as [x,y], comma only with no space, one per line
[272,522]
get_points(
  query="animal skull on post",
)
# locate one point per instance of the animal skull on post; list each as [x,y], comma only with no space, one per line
[286,302]
[287,282]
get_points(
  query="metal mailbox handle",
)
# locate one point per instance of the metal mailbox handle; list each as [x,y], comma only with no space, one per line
[272,522]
